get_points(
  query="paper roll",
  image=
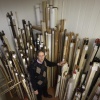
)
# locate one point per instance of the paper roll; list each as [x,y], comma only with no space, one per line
[71,55]
[52,55]
[70,88]
[56,15]
[52,18]
[47,17]
[57,88]
[38,15]
[49,45]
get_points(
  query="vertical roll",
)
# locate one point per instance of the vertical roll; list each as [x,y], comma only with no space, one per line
[31,52]
[24,39]
[56,15]
[70,87]
[65,47]
[56,45]
[57,87]
[25,87]
[44,5]
[28,33]
[52,55]
[64,72]
[76,58]
[7,43]
[43,32]
[71,52]
[38,15]
[47,17]
[19,87]
[48,45]
[85,49]
[52,18]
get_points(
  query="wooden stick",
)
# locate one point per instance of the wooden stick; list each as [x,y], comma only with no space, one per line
[25,87]
[10,88]
[19,86]
[37,28]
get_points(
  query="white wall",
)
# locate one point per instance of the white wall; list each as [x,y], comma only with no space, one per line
[24,9]
[82,16]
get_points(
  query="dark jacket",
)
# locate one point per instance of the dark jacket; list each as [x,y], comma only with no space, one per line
[38,73]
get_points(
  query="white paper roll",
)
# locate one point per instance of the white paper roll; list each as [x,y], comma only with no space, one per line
[38,15]
[49,45]
[57,88]
[70,88]
[52,18]
[71,55]
[56,15]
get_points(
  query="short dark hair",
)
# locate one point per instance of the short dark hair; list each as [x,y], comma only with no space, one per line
[40,51]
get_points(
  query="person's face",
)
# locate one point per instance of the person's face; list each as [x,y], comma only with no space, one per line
[41,56]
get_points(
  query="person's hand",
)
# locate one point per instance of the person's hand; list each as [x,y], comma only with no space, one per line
[36,92]
[61,63]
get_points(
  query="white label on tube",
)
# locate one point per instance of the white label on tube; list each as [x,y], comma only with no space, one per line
[86,48]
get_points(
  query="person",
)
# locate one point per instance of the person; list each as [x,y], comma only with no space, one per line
[38,74]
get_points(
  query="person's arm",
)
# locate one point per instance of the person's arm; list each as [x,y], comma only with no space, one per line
[51,64]
[32,76]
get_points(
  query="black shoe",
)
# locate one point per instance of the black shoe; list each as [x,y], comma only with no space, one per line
[48,96]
